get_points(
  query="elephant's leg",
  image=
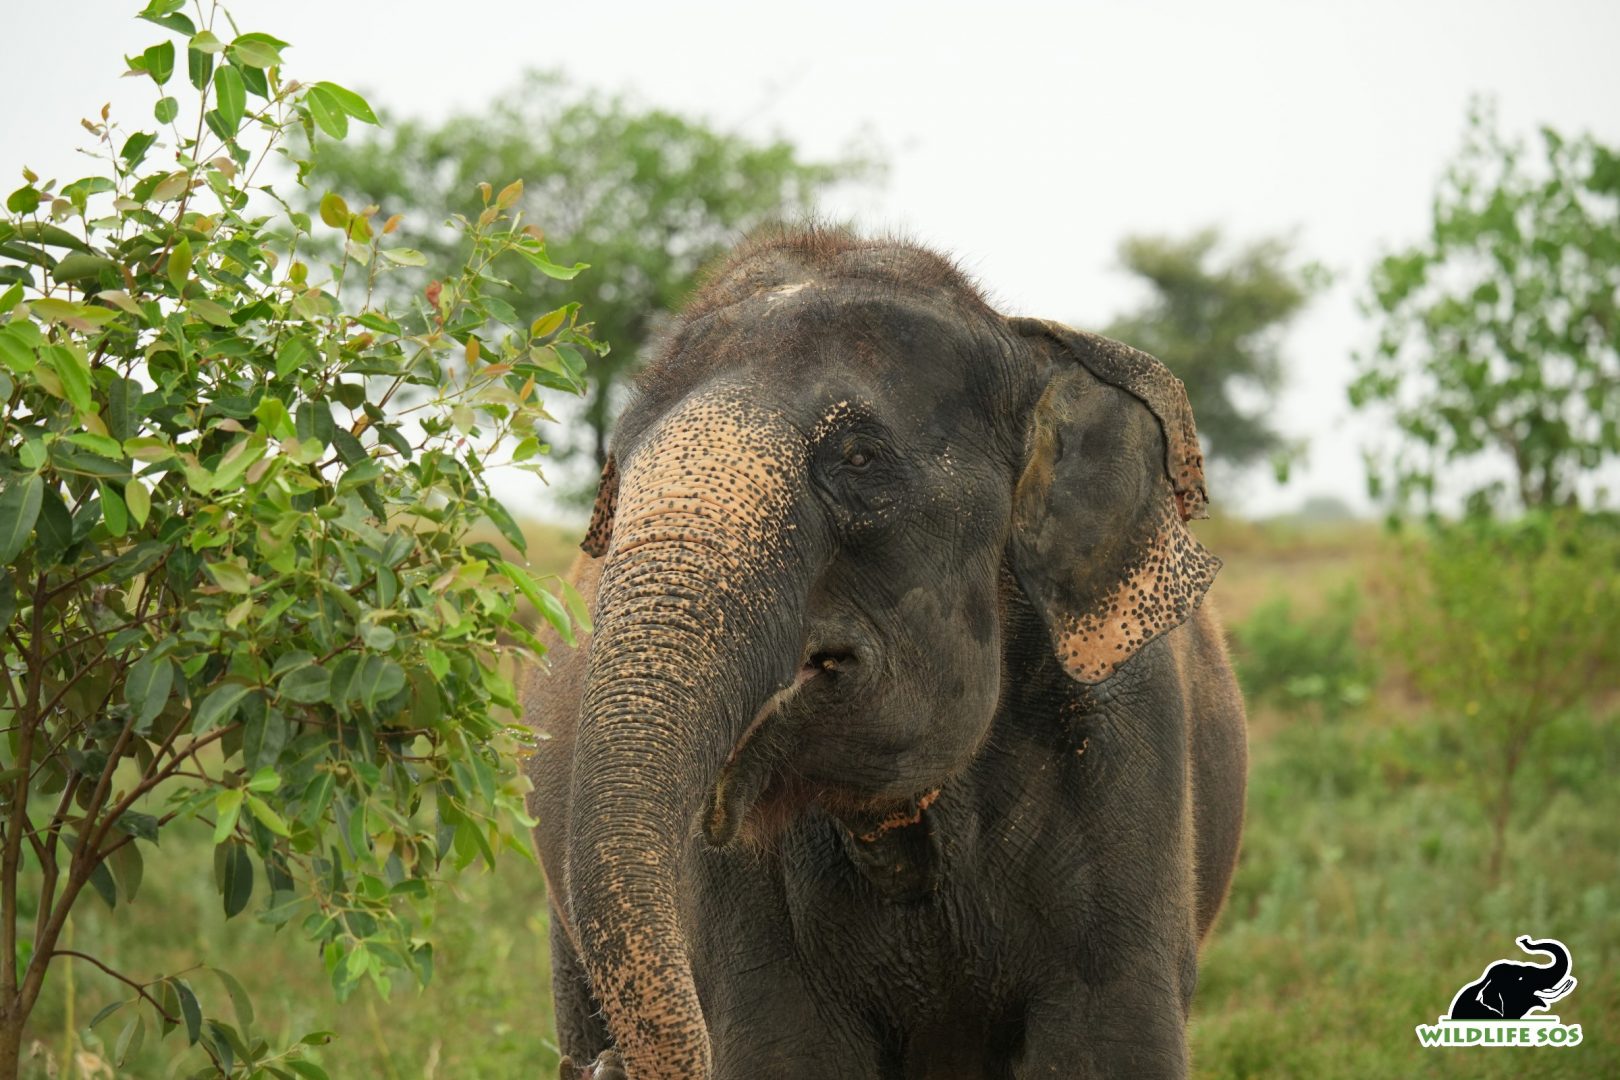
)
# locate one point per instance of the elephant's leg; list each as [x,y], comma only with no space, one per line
[800,1047]
[581,1035]
[1132,1028]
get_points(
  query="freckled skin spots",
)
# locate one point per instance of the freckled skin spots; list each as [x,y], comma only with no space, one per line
[903,745]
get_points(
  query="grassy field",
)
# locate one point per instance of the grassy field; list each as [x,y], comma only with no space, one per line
[1360,905]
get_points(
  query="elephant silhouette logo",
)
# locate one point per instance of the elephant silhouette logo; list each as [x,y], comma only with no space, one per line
[1507,1005]
[1509,989]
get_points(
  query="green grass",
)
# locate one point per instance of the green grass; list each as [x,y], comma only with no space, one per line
[1360,904]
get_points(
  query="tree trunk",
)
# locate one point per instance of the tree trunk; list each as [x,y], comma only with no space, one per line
[11,1030]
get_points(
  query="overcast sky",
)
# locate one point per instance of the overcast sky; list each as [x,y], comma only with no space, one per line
[1025,139]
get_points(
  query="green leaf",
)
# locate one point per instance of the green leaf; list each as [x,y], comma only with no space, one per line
[99,444]
[43,232]
[199,65]
[547,605]
[128,868]
[271,412]
[172,186]
[536,257]
[264,779]
[576,605]
[256,50]
[79,316]
[189,1008]
[139,501]
[135,148]
[78,266]
[17,353]
[227,806]
[130,1039]
[502,520]
[307,685]
[160,62]
[212,312]
[236,880]
[10,298]
[334,211]
[317,796]
[378,680]
[166,110]
[114,514]
[264,736]
[147,686]
[239,998]
[238,459]
[267,817]
[81,189]
[25,200]
[327,113]
[101,880]
[179,268]
[294,353]
[218,707]
[230,576]
[139,825]
[404,256]
[307,1069]
[205,41]
[53,530]
[230,96]
[348,101]
[106,1011]
[19,509]
[166,13]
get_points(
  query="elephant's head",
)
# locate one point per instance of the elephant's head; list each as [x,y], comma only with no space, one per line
[807,525]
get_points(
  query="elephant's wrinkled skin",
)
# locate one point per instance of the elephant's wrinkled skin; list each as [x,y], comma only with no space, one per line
[902,747]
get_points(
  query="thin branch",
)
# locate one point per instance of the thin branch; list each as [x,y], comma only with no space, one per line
[139,988]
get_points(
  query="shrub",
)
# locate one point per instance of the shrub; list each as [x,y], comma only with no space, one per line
[234,496]
[1507,627]
[1312,661]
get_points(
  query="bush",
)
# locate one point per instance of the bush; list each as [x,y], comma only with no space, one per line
[1507,627]
[239,594]
[1311,661]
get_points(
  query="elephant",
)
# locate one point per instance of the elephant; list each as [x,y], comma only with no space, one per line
[905,743]
[1508,989]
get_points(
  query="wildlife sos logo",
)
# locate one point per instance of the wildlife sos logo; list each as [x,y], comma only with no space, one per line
[1504,1006]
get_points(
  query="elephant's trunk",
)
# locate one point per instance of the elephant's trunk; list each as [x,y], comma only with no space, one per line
[691,636]
[1554,973]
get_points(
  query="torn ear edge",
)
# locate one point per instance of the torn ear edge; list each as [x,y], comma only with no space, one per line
[600,532]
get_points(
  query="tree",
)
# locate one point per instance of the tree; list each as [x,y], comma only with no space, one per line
[1217,323]
[1499,341]
[650,195]
[239,595]
[1507,627]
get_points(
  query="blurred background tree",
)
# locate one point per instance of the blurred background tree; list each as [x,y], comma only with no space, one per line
[1499,333]
[1217,321]
[646,195]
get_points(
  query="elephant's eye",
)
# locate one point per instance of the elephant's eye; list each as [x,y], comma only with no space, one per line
[858,455]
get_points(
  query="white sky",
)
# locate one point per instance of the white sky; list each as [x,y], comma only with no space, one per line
[1024,138]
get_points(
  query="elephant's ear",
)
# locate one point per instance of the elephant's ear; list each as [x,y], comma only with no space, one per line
[1112,472]
[600,532]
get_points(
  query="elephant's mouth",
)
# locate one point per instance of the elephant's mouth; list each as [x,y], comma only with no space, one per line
[764,746]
